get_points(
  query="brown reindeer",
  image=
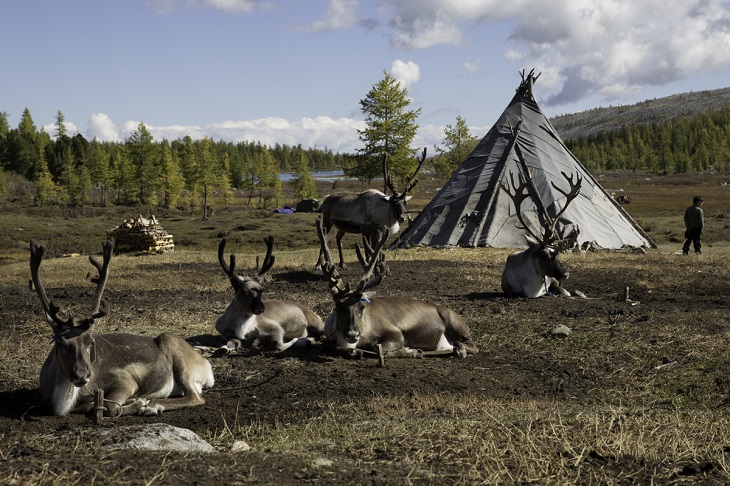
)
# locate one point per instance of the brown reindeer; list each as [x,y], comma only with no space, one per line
[537,271]
[138,374]
[252,322]
[368,211]
[403,327]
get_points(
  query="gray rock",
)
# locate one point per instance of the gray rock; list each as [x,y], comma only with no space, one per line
[561,330]
[152,437]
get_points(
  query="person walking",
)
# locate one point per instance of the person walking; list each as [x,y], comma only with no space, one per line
[694,221]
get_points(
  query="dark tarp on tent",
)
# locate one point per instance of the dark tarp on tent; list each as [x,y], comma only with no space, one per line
[309,206]
[471,210]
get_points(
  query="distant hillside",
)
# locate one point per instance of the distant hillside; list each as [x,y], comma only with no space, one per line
[660,110]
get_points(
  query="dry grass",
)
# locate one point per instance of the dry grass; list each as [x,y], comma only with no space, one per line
[491,441]
[657,411]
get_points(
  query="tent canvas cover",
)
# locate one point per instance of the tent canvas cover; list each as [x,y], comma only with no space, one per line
[472,210]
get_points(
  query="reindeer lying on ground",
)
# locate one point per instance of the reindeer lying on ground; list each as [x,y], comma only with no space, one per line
[368,211]
[403,327]
[537,271]
[138,374]
[251,322]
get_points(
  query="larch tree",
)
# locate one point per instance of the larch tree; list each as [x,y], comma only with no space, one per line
[172,178]
[391,127]
[458,143]
[60,126]
[144,155]
[98,161]
[303,182]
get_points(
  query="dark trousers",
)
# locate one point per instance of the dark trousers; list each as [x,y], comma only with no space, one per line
[693,235]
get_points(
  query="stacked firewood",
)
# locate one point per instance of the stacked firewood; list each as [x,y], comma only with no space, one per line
[141,235]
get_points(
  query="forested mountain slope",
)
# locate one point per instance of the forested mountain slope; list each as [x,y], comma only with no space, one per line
[614,118]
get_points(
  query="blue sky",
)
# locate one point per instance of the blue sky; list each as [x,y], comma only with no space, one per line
[294,71]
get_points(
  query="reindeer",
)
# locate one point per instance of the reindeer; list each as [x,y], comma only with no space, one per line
[138,374]
[403,327]
[368,211]
[251,322]
[537,271]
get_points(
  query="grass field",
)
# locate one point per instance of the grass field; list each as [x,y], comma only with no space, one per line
[638,393]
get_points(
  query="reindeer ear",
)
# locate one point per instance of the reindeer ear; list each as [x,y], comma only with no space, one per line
[407,198]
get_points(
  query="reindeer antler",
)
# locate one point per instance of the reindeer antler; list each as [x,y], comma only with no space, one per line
[100,307]
[103,273]
[230,271]
[268,259]
[374,269]
[410,182]
[569,196]
[520,195]
[517,198]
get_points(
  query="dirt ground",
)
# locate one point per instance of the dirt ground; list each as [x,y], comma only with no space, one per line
[664,349]
[294,386]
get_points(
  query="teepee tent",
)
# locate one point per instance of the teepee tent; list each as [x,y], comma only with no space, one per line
[472,210]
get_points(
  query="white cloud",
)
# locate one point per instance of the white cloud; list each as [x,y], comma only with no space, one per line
[52,129]
[473,67]
[100,126]
[340,15]
[339,135]
[609,47]
[233,6]
[407,73]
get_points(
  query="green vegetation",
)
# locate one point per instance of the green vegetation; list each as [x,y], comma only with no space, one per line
[139,171]
[390,129]
[458,143]
[698,143]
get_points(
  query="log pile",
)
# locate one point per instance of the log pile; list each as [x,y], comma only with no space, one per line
[141,235]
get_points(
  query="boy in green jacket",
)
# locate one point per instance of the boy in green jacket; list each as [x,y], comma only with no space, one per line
[694,220]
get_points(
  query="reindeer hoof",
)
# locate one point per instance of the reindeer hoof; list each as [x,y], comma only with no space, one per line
[153,410]
[220,352]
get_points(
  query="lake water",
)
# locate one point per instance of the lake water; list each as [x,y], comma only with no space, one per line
[318,175]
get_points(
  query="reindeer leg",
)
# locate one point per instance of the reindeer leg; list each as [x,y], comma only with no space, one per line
[191,372]
[556,288]
[340,234]
[393,345]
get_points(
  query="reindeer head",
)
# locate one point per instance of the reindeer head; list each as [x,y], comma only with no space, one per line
[397,199]
[248,290]
[74,344]
[350,302]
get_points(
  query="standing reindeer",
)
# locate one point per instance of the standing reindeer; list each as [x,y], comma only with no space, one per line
[138,374]
[537,271]
[251,322]
[403,327]
[368,211]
